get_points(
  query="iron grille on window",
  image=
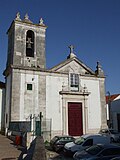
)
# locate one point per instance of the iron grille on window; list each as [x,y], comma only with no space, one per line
[74,79]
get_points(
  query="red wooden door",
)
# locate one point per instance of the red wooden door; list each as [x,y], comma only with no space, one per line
[75,127]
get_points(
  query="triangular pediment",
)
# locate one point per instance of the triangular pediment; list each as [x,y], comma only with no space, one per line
[73,65]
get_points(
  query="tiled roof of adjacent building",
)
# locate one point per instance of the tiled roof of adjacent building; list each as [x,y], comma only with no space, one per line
[111,97]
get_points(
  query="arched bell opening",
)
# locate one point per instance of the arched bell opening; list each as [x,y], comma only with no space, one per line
[30,43]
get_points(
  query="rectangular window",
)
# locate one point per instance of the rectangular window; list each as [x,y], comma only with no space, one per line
[29,87]
[74,81]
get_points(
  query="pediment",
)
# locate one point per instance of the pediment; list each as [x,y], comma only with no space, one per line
[73,65]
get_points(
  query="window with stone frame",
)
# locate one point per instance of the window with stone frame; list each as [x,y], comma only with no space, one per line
[74,82]
[29,86]
[30,43]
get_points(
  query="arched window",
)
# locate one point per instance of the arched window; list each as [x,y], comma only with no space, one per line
[30,43]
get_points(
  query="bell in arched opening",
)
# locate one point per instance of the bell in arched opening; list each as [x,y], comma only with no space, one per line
[30,43]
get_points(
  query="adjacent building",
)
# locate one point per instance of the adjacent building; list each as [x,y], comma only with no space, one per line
[113,110]
[2,106]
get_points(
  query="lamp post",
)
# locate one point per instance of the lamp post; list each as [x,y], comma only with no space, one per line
[109,109]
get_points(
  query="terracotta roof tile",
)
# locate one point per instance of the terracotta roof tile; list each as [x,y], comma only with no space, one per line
[111,97]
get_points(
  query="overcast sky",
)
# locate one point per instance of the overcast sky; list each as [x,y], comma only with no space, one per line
[92,26]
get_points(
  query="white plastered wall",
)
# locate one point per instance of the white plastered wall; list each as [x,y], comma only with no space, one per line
[94,106]
[8,97]
[54,101]
[28,98]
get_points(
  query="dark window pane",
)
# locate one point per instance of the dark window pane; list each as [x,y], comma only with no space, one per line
[74,81]
[29,86]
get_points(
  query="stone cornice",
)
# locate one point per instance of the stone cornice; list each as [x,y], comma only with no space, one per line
[74,93]
[23,22]
[8,70]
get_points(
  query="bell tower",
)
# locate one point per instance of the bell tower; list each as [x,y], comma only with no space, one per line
[26,60]
[26,43]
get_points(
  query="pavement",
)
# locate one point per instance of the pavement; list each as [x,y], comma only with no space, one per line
[8,150]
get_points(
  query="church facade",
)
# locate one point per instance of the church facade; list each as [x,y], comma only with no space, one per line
[70,94]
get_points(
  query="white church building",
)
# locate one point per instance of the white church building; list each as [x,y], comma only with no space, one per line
[70,94]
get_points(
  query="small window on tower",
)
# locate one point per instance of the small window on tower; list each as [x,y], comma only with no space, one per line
[29,87]
[30,44]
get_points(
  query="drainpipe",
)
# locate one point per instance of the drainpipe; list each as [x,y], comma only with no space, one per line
[110,125]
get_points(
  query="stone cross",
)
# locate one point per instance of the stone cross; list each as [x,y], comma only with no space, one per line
[71,48]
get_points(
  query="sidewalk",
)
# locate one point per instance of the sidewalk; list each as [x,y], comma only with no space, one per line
[8,151]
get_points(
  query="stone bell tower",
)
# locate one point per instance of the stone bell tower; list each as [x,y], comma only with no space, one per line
[26,60]
[26,43]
